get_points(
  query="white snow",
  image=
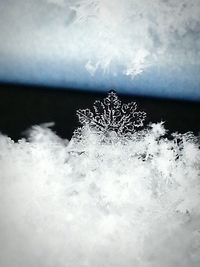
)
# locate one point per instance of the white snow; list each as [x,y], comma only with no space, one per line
[97,201]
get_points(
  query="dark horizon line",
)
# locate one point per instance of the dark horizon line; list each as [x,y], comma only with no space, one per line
[96,92]
[23,106]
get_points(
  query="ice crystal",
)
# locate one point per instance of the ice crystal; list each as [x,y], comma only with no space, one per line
[111,115]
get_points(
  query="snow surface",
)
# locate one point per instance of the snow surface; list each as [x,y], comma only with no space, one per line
[100,201]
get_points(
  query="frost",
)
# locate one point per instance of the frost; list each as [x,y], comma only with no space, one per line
[91,68]
[135,36]
[138,65]
[104,198]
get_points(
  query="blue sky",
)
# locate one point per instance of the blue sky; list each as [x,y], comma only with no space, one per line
[137,47]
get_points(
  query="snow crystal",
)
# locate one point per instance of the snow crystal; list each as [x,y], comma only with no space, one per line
[110,115]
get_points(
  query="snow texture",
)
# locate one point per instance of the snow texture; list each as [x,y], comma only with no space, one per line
[102,199]
[101,35]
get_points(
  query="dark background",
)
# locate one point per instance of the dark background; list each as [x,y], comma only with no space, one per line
[24,106]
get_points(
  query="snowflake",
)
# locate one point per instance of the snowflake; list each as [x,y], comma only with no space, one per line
[111,115]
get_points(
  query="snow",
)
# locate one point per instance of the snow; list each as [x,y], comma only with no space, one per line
[100,200]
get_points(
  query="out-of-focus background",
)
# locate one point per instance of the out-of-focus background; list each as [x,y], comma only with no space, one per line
[59,55]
